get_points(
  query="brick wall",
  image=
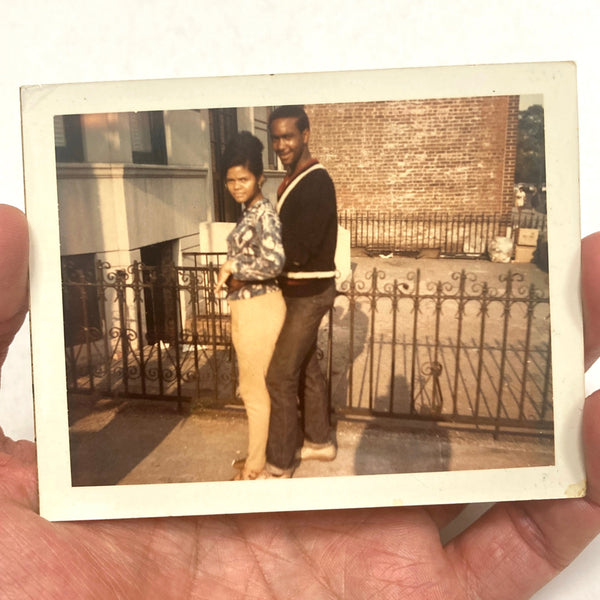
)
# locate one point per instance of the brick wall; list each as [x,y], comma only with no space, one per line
[453,155]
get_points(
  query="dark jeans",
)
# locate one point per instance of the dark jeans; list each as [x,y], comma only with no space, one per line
[295,375]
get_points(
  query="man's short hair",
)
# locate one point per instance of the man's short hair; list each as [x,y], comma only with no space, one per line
[293,111]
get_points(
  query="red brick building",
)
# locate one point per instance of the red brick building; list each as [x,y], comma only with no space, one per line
[453,155]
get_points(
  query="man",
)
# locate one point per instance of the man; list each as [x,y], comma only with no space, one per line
[308,213]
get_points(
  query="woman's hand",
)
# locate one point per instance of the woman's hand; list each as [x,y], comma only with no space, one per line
[224,273]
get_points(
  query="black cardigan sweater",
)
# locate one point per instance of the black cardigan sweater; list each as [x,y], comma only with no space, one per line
[309,226]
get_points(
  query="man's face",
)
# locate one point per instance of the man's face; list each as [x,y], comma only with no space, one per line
[289,143]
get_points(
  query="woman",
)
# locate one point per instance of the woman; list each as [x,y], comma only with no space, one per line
[254,259]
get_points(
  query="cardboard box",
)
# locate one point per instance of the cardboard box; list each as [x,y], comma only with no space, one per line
[524,254]
[528,237]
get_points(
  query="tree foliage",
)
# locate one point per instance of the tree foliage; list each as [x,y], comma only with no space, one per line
[531,155]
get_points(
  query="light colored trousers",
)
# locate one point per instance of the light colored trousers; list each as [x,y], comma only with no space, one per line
[255,326]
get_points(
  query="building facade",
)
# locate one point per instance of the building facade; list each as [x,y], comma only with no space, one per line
[128,182]
[454,155]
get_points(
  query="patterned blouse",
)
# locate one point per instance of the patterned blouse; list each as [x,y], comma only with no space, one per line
[256,251]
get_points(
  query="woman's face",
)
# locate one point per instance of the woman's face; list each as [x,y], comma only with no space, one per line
[242,185]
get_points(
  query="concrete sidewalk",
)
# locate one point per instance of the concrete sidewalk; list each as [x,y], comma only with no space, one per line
[141,442]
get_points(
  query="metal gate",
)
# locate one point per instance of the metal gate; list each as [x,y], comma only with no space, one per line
[123,354]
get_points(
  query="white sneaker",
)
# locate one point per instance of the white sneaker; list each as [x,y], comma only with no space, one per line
[326,452]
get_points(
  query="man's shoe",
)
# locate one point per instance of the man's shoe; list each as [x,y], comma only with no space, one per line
[324,452]
[272,472]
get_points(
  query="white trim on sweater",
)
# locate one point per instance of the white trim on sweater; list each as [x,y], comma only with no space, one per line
[292,185]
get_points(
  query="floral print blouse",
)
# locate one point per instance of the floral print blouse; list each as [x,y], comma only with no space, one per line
[255,249]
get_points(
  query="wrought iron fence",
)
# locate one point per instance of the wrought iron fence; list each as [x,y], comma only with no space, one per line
[451,235]
[148,332]
[462,350]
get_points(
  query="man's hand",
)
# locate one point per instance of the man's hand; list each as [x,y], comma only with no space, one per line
[510,552]
[13,274]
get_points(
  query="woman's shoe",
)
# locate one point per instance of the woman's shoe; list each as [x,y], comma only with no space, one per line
[242,476]
[238,463]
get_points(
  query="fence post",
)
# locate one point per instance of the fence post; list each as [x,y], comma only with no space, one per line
[373,303]
[437,401]
[394,328]
[177,328]
[531,303]
[101,295]
[86,327]
[547,378]
[506,303]
[461,314]
[212,314]
[138,289]
[484,314]
[413,368]
[120,278]
[352,309]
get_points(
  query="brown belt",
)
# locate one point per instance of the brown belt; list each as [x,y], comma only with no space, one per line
[233,284]
[289,281]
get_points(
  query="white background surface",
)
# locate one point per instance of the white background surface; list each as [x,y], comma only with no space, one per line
[63,42]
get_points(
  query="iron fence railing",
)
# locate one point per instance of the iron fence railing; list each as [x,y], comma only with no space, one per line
[462,350]
[449,234]
[148,332]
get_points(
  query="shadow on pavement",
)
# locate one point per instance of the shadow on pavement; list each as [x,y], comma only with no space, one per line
[114,437]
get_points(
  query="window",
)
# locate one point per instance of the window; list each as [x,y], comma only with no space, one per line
[223,125]
[148,138]
[261,118]
[68,141]
[81,310]
[160,298]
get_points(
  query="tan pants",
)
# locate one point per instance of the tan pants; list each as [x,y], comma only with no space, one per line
[255,326]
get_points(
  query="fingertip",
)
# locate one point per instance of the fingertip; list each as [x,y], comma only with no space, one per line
[593,239]
[13,218]
[14,246]
[590,282]
[591,441]
[14,236]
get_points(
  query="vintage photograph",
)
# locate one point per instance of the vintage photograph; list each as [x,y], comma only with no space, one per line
[269,296]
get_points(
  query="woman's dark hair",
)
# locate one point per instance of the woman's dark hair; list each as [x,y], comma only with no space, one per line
[292,111]
[243,150]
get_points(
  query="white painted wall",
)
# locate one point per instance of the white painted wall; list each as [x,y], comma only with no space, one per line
[108,204]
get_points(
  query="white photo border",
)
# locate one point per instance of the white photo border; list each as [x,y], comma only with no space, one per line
[59,500]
